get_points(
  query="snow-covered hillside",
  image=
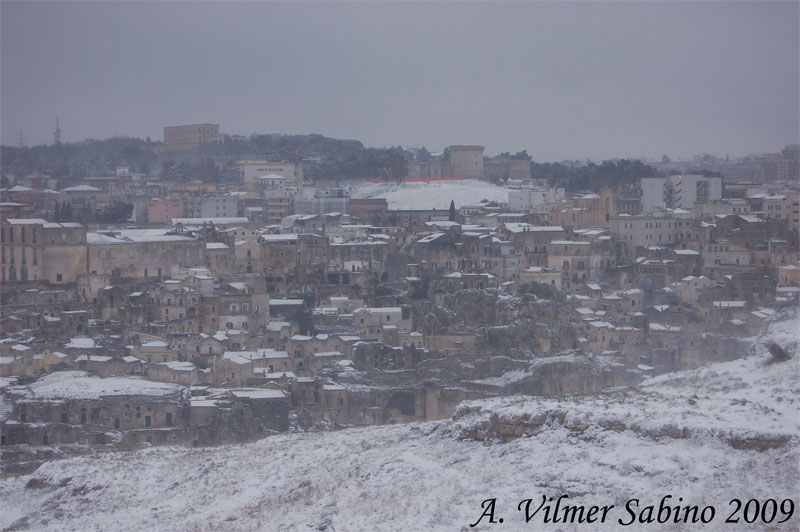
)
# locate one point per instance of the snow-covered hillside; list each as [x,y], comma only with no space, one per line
[710,435]
[433,195]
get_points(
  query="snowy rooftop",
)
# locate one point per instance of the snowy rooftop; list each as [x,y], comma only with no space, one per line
[155,343]
[729,304]
[79,385]
[81,343]
[216,221]
[433,195]
[258,394]
[523,227]
[80,188]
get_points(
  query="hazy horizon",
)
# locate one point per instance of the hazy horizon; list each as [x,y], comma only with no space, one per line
[561,80]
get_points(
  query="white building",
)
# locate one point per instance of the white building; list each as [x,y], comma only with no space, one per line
[634,231]
[652,194]
[372,321]
[251,170]
[533,199]
[678,192]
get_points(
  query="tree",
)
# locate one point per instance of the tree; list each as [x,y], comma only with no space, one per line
[114,213]
[208,172]
[452,216]
[66,212]
[709,173]
[57,212]
[305,321]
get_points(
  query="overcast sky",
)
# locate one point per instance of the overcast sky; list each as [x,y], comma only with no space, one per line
[566,80]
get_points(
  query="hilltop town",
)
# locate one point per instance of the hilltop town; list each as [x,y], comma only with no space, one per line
[140,308]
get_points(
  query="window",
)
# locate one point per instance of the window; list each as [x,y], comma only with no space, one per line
[146,421]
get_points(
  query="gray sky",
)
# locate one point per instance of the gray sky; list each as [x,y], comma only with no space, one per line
[566,80]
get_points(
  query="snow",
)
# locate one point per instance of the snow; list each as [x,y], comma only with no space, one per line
[729,304]
[430,238]
[674,434]
[258,394]
[93,358]
[26,221]
[81,188]
[433,195]
[177,365]
[216,221]
[79,385]
[155,343]
[81,343]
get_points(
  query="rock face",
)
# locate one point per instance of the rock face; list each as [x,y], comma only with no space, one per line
[747,404]
[572,374]
[506,428]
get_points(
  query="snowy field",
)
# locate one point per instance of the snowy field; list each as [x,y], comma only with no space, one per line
[433,195]
[724,431]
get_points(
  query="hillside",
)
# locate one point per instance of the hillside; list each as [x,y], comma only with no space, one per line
[724,431]
[327,158]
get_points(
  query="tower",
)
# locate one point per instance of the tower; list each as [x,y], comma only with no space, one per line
[57,134]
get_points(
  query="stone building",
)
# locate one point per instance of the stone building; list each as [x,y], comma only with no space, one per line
[73,407]
[35,249]
[189,137]
[467,161]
